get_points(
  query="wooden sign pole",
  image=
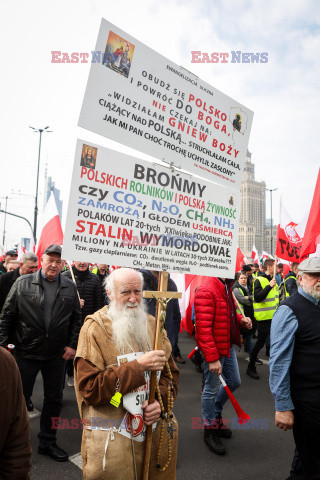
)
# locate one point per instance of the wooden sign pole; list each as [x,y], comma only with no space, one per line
[162,297]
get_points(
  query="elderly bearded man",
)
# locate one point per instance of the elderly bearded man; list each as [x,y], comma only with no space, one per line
[295,366]
[113,439]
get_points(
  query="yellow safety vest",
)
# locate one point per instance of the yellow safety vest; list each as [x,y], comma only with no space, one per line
[95,270]
[285,288]
[237,308]
[265,310]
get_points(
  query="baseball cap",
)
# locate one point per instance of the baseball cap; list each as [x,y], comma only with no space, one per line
[12,252]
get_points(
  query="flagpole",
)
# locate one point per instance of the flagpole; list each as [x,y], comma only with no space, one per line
[72,275]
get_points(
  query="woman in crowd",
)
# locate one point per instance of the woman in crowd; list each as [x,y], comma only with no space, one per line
[241,293]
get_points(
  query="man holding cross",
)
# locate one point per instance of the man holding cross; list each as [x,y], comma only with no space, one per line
[113,359]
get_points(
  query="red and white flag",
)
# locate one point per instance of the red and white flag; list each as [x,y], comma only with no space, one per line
[255,255]
[312,232]
[266,255]
[25,246]
[51,231]
[289,237]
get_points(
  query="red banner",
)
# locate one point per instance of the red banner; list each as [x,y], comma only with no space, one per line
[289,237]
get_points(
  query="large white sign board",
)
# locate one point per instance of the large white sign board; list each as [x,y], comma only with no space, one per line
[143,100]
[127,212]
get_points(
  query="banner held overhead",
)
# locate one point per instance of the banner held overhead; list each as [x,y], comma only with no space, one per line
[129,212]
[141,99]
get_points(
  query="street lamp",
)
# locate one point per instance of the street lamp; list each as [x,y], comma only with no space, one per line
[271,190]
[18,216]
[40,130]
[4,223]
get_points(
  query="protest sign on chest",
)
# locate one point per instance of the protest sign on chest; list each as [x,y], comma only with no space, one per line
[132,402]
[141,99]
[128,212]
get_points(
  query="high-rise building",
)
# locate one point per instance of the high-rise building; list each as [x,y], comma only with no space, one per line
[253,210]
[49,187]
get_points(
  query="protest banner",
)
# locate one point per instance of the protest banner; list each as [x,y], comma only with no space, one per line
[289,236]
[128,212]
[141,99]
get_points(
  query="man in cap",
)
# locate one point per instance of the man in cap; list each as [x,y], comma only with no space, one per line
[114,356]
[42,318]
[10,255]
[295,366]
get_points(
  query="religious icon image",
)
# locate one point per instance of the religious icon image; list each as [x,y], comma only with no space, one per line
[88,157]
[239,121]
[118,54]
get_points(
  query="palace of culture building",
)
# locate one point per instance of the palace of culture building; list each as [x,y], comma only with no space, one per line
[253,211]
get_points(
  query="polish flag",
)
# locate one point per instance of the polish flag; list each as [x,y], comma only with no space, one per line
[21,250]
[187,284]
[255,255]
[191,285]
[312,232]
[289,236]
[266,255]
[51,231]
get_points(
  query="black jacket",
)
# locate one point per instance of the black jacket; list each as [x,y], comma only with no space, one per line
[89,288]
[22,320]
[291,283]
[6,282]
[261,293]
[2,268]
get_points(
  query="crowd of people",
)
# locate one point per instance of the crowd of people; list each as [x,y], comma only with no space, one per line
[86,327]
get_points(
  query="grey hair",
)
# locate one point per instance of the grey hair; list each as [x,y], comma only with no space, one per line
[109,281]
[29,256]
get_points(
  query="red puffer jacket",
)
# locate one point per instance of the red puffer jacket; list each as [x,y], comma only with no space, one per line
[212,315]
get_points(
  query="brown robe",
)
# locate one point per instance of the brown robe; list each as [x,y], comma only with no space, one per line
[15,447]
[96,374]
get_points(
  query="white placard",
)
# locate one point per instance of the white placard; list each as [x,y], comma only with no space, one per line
[128,212]
[141,99]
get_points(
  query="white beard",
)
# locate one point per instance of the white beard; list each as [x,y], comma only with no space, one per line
[313,291]
[129,326]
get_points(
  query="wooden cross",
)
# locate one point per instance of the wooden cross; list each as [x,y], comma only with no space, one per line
[171,430]
[162,297]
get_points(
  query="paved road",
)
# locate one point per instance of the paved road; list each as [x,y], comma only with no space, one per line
[257,450]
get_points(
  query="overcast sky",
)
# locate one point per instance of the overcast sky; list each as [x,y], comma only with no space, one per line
[283,93]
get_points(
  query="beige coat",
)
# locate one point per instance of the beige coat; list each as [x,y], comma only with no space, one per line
[96,345]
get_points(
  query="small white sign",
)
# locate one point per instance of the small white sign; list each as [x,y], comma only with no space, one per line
[133,422]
